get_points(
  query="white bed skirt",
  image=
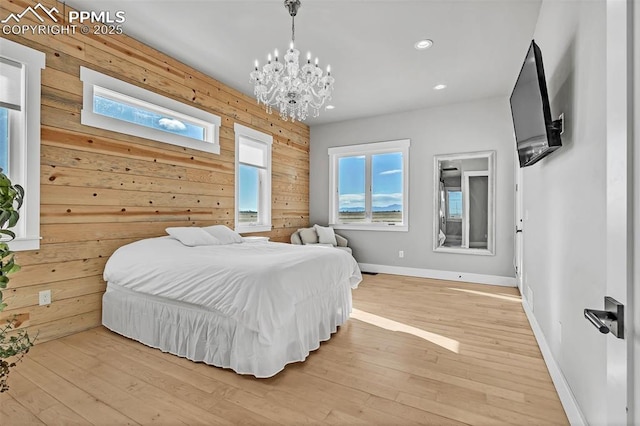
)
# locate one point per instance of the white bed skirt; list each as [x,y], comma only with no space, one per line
[202,335]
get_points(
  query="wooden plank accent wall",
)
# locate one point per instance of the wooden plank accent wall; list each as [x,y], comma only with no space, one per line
[101,189]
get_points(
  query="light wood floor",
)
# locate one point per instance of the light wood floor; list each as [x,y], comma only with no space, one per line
[415,351]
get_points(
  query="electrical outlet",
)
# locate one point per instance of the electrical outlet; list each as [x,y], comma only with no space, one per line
[401,254]
[44,297]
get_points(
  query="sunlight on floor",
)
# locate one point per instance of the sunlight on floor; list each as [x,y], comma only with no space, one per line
[496,296]
[445,342]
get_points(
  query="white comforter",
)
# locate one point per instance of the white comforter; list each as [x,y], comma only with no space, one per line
[257,284]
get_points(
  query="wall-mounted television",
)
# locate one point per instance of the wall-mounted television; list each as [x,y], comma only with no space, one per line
[537,135]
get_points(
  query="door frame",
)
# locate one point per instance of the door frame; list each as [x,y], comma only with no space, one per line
[635,109]
[466,206]
[619,209]
[518,249]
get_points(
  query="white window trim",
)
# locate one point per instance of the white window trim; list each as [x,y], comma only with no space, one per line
[94,82]
[265,199]
[335,153]
[28,175]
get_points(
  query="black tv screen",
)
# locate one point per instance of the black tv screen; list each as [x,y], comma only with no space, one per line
[537,135]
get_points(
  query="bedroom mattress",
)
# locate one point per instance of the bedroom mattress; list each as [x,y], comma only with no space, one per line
[254,316]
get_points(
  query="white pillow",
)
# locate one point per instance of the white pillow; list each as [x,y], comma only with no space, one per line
[223,234]
[326,235]
[191,236]
[308,235]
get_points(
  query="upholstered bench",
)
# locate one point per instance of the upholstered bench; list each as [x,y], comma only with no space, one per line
[320,235]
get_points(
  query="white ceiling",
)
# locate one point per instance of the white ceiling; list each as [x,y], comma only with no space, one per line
[479,45]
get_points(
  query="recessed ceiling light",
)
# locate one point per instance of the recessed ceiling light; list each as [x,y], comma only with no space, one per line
[439,87]
[423,44]
[329,107]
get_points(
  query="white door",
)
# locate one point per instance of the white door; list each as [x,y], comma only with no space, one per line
[518,260]
[619,209]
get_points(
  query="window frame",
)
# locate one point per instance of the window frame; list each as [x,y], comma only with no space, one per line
[24,143]
[368,150]
[95,83]
[264,191]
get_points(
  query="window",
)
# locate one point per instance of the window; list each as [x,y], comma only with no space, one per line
[20,69]
[369,185]
[143,113]
[4,139]
[454,204]
[253,180]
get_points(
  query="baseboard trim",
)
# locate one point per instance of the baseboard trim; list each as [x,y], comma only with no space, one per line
[440,275]
[569,403]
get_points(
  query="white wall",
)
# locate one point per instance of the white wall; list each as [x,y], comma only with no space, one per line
[475,126]
[565,200]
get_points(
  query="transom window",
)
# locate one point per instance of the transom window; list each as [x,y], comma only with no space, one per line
[369,186]
[146,114]
[253,180]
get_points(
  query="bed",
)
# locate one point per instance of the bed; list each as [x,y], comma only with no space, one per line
[251,307]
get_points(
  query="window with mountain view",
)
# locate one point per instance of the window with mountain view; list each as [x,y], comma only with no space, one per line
[370,183]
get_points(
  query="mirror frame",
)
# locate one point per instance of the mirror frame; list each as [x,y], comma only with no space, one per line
[491,213]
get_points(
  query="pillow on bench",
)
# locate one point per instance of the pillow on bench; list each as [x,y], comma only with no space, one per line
[326,235]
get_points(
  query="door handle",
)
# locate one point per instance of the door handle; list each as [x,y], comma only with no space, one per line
[609,320]
[598,318]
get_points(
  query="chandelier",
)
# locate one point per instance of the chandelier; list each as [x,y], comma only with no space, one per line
[292,88]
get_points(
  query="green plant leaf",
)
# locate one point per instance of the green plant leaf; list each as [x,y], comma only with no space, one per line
[8,232]
[4,216]
[13,218]
[11,199]
[6,267]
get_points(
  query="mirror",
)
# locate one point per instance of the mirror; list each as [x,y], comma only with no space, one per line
[464,210]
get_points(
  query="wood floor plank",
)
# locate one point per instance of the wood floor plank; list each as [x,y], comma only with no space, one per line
[45,407]
[187,403]
[93,410]
[414,352]
[410,413]
[13,412]
[81,373]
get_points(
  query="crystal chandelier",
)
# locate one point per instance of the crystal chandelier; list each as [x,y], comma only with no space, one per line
[288,86]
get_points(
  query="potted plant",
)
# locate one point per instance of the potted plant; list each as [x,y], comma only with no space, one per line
[14,344]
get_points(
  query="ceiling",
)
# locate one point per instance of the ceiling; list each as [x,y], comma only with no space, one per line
[479,45]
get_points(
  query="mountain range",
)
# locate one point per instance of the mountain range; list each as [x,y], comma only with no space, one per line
[390,208]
